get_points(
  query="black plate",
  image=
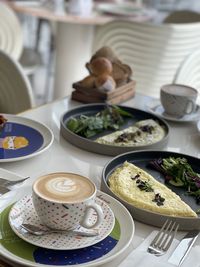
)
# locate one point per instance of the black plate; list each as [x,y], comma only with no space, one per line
[90,145]
[141,159]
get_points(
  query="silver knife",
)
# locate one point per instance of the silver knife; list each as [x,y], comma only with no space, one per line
[183,248]
[3,190]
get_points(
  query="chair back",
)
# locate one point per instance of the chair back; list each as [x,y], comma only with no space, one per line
[11,35]
[15,90]
[182,16]
[189,71]
[154,52]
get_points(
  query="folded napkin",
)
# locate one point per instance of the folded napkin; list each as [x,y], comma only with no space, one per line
[140,256]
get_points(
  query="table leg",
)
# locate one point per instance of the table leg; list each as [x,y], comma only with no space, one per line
[73,50]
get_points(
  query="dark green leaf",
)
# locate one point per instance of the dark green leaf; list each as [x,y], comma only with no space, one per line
[123,112]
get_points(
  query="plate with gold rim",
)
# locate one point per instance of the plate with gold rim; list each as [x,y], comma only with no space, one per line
[17,250]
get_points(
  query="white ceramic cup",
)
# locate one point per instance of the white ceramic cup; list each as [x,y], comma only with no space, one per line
[65,200]
[178,100]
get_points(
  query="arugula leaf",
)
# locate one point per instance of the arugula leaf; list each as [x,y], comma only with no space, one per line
[122,111]
[110,118]
[179,172]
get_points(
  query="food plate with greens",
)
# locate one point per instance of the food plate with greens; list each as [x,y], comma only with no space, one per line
[158,185]
[112,130]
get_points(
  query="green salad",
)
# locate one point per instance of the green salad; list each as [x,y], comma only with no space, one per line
[178,172]
[110,118]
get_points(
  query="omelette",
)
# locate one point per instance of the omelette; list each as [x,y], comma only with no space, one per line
[144,132]
[140,189]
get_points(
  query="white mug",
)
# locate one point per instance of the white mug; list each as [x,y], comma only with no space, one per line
[65,200]
[178,99]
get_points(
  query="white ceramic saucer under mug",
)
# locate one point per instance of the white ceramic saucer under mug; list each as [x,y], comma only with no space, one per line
[156,108]
[23,212]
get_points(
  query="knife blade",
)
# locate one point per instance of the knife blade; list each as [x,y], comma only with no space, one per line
[183,248]
[3,190]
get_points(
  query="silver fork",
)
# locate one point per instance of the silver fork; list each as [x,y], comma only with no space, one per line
[163,239]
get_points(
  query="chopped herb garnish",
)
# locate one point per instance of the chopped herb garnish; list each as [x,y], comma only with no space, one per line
[159,200]
[111,118]
[135,177]
[147,128]
[125,137]
[144,185]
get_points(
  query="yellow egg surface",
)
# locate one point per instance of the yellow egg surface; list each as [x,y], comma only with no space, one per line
[140,189]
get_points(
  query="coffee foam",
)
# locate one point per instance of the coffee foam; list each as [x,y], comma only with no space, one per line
[64,187]
[180,90]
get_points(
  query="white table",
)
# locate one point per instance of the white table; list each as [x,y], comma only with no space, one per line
[62,156]
[74,39]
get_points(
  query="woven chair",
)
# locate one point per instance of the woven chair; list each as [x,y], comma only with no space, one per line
[15,90]
[155,52]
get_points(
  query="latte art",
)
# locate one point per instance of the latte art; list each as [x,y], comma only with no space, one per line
[64,187]
[61,185]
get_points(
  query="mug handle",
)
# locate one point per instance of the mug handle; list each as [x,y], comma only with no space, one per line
[85,221]
[191,105]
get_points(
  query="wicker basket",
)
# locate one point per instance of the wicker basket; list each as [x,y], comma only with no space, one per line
[93,95]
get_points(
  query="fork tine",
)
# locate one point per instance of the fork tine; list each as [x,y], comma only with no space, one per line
[164,238]
[159,234]
[172,232]
[166,233]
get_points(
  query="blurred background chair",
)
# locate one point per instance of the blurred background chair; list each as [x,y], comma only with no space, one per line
[11,41]
[189,71]
[11,36]
[16,93]
[155,52]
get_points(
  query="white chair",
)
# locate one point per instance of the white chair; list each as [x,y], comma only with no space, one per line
[154,52]
[189,71]
[11,41]
[15,90]
[11,37]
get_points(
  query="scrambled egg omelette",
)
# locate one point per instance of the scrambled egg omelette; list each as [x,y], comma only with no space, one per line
[140,189]
[143,132]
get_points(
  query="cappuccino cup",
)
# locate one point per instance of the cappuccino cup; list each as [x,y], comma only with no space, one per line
[178,100]
[65,200]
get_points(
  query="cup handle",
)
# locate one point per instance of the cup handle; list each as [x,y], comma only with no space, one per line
[85,221]
[191,105]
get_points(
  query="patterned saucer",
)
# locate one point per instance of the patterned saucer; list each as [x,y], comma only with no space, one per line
[24,212]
